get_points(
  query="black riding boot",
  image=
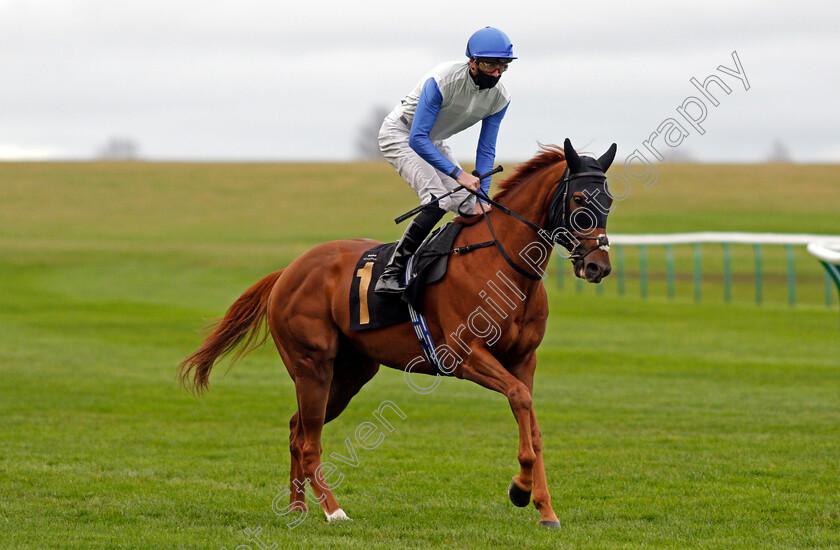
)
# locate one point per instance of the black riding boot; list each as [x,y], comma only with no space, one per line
[391,280]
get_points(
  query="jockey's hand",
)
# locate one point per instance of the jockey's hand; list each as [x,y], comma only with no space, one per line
[477,210]
[469,181]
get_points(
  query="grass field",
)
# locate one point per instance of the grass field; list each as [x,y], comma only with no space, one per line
[666,424]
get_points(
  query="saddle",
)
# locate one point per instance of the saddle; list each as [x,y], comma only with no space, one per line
[369,310]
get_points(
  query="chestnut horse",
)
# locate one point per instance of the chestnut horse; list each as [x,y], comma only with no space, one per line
[306,306]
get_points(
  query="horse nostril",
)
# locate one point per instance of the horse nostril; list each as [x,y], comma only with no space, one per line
[592,270]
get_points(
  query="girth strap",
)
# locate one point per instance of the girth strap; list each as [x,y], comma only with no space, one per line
[421,329]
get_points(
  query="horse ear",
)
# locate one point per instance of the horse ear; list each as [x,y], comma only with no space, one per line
[607,158]
[572,158]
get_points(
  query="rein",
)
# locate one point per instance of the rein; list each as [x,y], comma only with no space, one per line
[502,251]
[574,255]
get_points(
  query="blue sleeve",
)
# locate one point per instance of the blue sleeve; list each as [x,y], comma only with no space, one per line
[485,154]
[428,107]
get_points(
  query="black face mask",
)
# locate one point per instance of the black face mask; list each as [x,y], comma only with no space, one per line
[483,80]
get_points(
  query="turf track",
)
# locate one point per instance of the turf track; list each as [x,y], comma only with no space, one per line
[666,424]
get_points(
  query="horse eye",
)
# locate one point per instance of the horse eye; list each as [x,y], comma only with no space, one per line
[578,199]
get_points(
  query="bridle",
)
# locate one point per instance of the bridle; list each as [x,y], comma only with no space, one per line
[565,238]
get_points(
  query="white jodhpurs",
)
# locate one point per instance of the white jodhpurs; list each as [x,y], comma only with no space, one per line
[425,179]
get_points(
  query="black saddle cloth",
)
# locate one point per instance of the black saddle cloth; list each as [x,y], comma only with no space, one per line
[369,310]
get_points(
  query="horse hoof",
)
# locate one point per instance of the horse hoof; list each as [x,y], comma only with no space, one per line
[338,515]
[550,524]
[517,496]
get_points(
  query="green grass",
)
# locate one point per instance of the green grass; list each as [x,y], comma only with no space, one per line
[666,424]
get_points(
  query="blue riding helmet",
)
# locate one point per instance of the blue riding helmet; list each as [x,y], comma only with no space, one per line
[489,42]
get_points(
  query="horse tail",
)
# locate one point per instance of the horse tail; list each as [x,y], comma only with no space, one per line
[243,327]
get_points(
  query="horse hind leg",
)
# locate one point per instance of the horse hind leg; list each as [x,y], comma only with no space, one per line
[324,384]
[297,479]
[351,371]
[313,387]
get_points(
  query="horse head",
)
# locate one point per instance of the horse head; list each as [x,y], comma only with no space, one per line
[579,209]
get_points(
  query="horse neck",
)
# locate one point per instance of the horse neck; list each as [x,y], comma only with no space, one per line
[530,199]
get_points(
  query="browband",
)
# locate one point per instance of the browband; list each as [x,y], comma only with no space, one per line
[581,174]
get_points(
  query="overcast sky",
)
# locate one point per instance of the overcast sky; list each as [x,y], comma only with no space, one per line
[292,80]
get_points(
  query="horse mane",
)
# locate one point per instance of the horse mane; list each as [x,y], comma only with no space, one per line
[548,155]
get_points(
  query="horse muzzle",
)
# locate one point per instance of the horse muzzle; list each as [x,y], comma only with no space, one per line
[592,269]
[593,264]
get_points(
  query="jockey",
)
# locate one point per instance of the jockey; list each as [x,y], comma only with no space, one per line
[451,98]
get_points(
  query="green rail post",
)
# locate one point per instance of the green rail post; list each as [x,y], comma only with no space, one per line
[698,274]
[727,272]
[827,288]
[834,271]
[559,264]
[643,270]
[669,267]
[759,294]
[791,275]
[619,255]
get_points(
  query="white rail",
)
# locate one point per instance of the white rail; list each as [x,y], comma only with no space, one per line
[723,237]
[827,251]
[825,247]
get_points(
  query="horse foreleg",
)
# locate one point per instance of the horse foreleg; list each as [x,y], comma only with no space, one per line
[522,407]
[485,370]
[542,497]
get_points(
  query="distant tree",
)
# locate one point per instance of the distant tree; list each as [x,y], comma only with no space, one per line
[678,155]
[367,138]
[119,148]
[779,152]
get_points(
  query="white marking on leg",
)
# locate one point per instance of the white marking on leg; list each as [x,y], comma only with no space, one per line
[337,515]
